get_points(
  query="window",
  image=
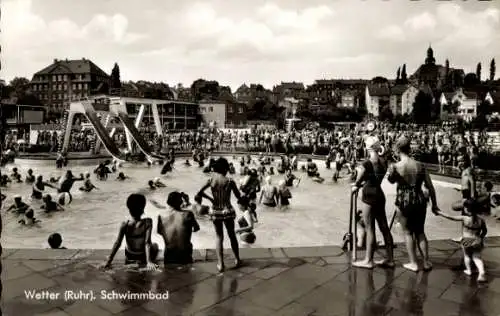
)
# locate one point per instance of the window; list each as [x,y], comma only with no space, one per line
[211,109]
[79,86]
[240,110]
[65,77]
[65,96]
[54,78]
[65,87]
[74,86]
[230,109]
[85,86]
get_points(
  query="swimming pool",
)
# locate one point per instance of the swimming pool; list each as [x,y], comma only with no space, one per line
[318,215]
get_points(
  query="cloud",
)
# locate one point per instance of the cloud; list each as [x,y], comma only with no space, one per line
[263,42]
[392,32]
[421,22]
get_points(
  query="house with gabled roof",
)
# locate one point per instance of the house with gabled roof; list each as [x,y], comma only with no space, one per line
[376,97]
[65,80]
[402,98]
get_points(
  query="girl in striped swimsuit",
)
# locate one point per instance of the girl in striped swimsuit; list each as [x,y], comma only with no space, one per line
[222,212]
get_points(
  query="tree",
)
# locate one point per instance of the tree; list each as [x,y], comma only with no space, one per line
[478,72]
[422,108]
[398,75]
[470,80]
[203,89]
[447,72]
[404,76]
[115,77]
[493,69]
[19,86]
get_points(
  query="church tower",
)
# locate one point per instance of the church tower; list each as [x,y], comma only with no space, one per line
[430,60]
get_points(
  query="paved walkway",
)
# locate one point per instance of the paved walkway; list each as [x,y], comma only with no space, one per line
[285,281]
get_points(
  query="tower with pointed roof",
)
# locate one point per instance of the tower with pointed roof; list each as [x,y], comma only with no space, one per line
[430,60]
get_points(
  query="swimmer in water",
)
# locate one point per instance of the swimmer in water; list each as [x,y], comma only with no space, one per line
[29,218]
[55,241]
[39,187]
[4,180]
[15,174]
[166,168]
[54,180]
[102,172]
[137,233]
[284,195]
[67,183]
[157,182]
[87,184]
[121,176]
[151,185]
[246,221]
[50,206]
[30,177]
[187,163]
[19,206]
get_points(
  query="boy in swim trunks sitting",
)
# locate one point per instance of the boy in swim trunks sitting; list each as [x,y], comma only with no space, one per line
[176,228]
[473,232]
[137,233]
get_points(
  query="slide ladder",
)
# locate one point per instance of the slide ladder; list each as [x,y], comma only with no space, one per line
[101,131]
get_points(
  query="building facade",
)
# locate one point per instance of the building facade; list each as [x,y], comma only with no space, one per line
[66,80]
[402,98]
[223,114]
[376,97]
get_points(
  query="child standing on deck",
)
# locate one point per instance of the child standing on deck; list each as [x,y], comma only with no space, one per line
[473,232]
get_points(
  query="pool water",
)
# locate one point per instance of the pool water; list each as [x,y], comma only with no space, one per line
[318,216]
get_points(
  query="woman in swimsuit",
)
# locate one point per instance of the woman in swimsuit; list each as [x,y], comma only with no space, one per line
[269,194]
[137,232]
[369,177]
[222,212]
[411,202]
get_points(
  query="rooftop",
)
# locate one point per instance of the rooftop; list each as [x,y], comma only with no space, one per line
[279,281]
[78,66]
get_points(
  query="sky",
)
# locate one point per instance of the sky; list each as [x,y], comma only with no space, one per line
[248,41]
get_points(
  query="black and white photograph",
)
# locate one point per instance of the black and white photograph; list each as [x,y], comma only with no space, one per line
[261,158]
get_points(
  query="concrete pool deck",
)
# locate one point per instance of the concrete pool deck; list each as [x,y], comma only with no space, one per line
[279,281]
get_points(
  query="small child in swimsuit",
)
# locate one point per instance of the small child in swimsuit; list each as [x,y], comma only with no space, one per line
[29,218]
[87,184]
[50,206]
[158,183]
[473,232]
[137,233]
[30,178]
[198,208]
[151,185]
[121,176]
[284,195]
[55,241]
[19,206]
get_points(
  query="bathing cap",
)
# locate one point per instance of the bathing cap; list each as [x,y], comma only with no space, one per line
[17,196]
[156,179]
